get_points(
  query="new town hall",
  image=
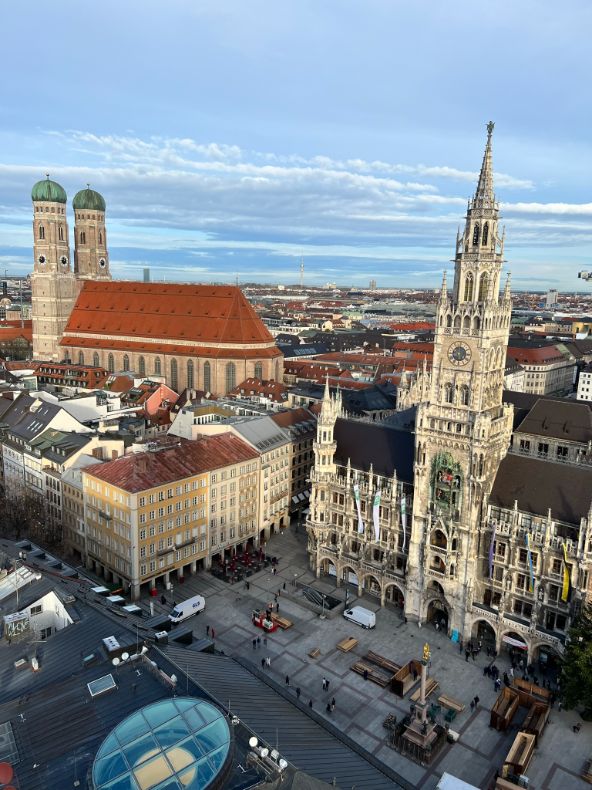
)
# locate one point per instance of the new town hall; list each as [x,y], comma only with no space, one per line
[478,518]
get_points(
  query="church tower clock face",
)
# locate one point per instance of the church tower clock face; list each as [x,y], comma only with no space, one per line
[459,354]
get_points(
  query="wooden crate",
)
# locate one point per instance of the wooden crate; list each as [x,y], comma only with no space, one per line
[347,644]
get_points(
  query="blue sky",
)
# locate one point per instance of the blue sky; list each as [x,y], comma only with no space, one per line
[230,137]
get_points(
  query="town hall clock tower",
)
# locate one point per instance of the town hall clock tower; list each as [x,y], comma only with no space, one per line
[462,427]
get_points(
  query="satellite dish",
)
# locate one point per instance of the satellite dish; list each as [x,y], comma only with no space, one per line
[264,752]
[144,650]
[124,656]
[116,661]
[253,741]
[173,678]
[283,764]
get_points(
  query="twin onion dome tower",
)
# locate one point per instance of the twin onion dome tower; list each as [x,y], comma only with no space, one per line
[56,280]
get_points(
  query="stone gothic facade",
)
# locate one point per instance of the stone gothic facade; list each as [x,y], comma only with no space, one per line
[426,521]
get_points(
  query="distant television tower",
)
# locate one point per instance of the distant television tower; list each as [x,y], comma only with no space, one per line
[301,273]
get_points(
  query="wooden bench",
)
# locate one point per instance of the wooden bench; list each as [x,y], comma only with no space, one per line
[282,622]
[376,677]
[431,685]
[347,644]
[450,703]
[315,652]
[380,661]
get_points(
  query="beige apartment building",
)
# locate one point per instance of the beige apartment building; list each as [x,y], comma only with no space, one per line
[158,515]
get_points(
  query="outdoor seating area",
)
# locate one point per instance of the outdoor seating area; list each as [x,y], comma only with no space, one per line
[380,661]
[241,566]
[519,757]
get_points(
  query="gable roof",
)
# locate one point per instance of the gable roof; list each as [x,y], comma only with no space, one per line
[200,314]
[386,448]
[539,486]
[559,419]
[185,458]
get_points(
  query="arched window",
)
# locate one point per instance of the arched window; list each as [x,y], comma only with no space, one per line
[174,375]
[100,238]
[469,287]
[41,232]
[157,367]
[466,323]
[464,395]
[110,364]
[449,321]
[230,376]
[457,322]
[81,358]
[207,377]
[126,364]
[190,375]
[448,393]
[258,370]
[82,237]
[60,233]
[476,235]
[96,359]
[485,234]
[483,288]
[142,366]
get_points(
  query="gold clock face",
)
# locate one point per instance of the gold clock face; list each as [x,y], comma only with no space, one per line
[459,354]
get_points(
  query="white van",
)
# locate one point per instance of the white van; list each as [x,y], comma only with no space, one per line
[360,616]
[187,609]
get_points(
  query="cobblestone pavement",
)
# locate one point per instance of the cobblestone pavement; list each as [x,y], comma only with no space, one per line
[361,706]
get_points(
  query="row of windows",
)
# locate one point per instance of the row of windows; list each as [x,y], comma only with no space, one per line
[47,209]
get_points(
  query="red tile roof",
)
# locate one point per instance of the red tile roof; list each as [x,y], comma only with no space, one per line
[141,471]
[202,314]
[9,333]
[546,355]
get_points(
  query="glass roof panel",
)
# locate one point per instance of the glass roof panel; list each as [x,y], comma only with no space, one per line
[131,728]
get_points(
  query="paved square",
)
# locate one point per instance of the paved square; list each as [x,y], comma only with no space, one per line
[361,706]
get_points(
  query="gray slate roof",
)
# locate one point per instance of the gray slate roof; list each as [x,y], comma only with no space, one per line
[559,419]
[540,485]
[379,444]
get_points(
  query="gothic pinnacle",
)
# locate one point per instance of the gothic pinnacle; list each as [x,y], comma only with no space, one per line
[484,196]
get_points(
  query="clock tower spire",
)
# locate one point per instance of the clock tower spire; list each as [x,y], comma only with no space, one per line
[462,428]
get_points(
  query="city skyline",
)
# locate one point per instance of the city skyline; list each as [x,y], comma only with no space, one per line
[232,142]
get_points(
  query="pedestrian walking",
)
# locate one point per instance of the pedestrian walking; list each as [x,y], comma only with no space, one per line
[275,597]
[298,692]
[476,701]
[287,680]
[254,644]
[258,641]
[277,607]
[460,647]
[310,704]
[327,684]
[511,672]
[365,674]
[262,663]
[284,585]
[472,704]
[497,684]
[207,630]
[328,709]
[559,705]
[333,704]
[577,727]
[268,661]
[467,654]
[324,683]
[213,634]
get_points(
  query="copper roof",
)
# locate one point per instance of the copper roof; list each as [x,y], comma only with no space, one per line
[203,314]
[141,471]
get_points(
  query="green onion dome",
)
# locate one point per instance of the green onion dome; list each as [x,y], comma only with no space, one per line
[48,191]
[88,200]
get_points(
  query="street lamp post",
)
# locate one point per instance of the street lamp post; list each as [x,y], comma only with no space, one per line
[322,615]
